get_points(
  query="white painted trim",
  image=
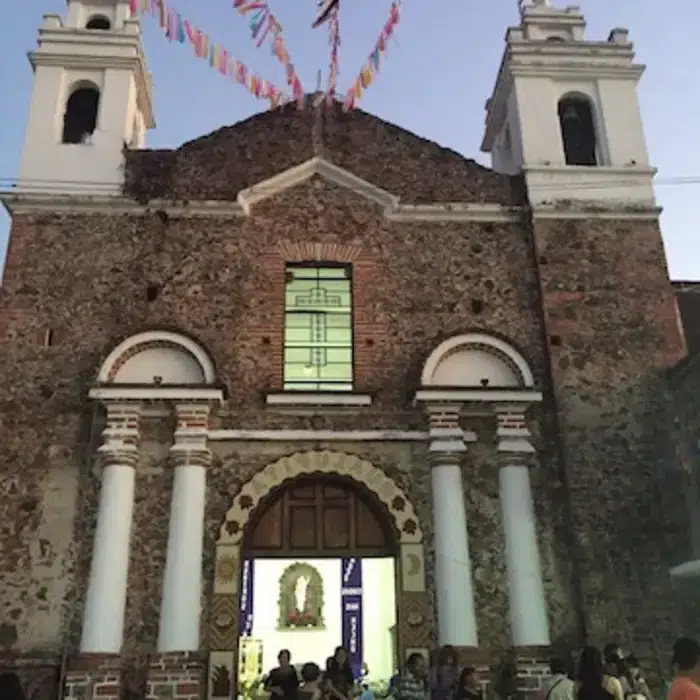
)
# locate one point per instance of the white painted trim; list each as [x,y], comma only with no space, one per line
[155,393]
[602,171]
[456,211]
[189,346]
[602,212]
[321,435]
[584,71]
[301,173]
[457,396]
[303,398]
[37,200]
[450,345]
[688,569]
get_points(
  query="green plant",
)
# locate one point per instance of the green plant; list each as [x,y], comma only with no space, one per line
[251,689]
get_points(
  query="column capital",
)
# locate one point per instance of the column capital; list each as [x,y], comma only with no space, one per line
[121,435]
[513,435]
[448,441]
[189,446]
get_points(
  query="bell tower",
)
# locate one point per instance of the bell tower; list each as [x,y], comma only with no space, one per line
[565,111]
[91,99]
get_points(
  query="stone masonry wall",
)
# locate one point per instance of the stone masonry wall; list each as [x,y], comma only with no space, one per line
[612,330]
[75,286]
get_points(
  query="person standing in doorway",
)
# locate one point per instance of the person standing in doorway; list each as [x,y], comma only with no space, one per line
[686,664]
[444,675]
[283,681]
[413,683]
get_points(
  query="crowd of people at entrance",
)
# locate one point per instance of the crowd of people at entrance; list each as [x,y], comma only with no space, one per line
[606,674]
[600,675]
[415,681]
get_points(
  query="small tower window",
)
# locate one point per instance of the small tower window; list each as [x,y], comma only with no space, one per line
[80,119]
[577,131]
[99,22]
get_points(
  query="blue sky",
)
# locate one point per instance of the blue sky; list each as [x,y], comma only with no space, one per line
[438,74]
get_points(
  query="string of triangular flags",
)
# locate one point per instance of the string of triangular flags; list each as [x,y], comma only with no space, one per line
[371,66]
[182,31]
[264,25]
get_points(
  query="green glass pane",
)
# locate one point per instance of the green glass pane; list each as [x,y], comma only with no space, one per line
[339,356]
[301,355]
[336,372]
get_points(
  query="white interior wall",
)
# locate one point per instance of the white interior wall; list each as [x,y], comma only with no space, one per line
[378,614]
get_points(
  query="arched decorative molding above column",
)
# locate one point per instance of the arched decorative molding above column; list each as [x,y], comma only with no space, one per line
[476,361]
[158,367]
[161,358]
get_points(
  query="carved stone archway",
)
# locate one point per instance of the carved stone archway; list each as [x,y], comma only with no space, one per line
[415,615]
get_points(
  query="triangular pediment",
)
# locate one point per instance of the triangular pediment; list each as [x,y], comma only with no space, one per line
[327,171]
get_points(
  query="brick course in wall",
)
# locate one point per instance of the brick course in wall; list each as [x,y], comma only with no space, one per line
[175,676]
[587,302]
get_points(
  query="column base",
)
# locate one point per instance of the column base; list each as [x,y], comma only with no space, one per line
[473,657]
[532,669]
[176,676]
[93,677]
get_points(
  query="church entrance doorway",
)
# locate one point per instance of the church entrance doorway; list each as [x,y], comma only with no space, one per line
[319,572]
[326,557]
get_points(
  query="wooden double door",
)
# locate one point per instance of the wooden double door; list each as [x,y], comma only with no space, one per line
[320,516]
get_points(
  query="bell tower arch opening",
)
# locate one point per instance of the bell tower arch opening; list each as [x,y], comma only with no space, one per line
[319,549]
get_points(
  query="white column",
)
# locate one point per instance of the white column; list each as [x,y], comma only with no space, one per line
[528,606]
[182,585]
[453,568]
[103,621]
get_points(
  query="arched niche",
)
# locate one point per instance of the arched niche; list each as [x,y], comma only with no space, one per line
[476,361]
[80,116]
[99,23]
[301,598]
[158,358]
[578,133]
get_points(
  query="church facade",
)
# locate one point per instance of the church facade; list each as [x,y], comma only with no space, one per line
[466,367]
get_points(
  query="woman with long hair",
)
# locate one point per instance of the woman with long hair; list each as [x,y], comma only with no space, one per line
[594,683]
[339,679]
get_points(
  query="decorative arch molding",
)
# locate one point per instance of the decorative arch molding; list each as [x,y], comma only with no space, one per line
[415,619]
[303,463]
[462,349]
[176,343]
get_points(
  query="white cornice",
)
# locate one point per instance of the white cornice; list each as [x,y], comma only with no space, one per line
[321,435]
[35,201]
[28,202]
[316,166]
[116,393]
[606,211]
[587,71]
[437,395]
